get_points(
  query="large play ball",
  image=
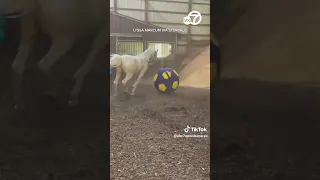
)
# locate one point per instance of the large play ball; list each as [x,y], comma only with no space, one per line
[166,80]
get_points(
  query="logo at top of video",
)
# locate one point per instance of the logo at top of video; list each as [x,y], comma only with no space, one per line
[195,129]
[196,16]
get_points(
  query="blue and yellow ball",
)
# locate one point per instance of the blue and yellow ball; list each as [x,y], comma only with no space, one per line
[166,80]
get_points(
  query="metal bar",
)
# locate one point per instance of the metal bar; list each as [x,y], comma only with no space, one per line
[162,42]
[172,23]
[146,9]
[189,28]
[195,44]
[169,12]
[115,4]
[180,2]
[117,44]
[129,41]
[125,35]
[202,35]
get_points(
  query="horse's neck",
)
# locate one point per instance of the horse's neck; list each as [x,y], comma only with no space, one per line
[145,55]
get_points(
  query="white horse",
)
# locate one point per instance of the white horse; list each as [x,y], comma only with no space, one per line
[132,65]
[64,21]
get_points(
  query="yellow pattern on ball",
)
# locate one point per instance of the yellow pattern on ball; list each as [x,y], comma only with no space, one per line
[165,76]
[176,72]
[155,77]
[175,85]
[169,73]
[162,87]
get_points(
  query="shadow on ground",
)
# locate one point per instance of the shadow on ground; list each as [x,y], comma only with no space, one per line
[265,131]
[53,141]
[142,129]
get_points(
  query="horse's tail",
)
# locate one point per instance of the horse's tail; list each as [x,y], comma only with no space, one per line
[115,60]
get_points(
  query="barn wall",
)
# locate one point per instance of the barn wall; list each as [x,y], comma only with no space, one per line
[121,24]
[169,15]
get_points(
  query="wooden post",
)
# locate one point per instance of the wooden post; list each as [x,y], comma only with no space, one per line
[146,8]
[189,28]
[115,6]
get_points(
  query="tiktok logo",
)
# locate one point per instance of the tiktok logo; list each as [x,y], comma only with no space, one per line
[187,129]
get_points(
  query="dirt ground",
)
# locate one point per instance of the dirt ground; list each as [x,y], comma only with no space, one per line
[265,131]
[72,143]
[53,142]
[142,130]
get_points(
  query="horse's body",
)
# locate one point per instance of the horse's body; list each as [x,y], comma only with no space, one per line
[132,65]
[64,21]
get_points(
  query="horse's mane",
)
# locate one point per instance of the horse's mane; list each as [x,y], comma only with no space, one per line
[147,53]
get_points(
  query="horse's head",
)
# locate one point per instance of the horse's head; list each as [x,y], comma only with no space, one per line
[16,8]
[115,60]
[153,56]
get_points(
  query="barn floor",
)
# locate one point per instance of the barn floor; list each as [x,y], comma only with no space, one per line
[142,132]
[50,141]
[260,130]
[265,131]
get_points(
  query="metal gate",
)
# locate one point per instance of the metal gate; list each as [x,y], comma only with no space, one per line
[130,47]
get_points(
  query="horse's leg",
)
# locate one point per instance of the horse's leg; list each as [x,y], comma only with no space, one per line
[60,46]
[27,41]
[125,80]
[98,44]
[138,81]
[116,81]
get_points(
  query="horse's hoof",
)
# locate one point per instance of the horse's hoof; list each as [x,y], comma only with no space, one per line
[132,94]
